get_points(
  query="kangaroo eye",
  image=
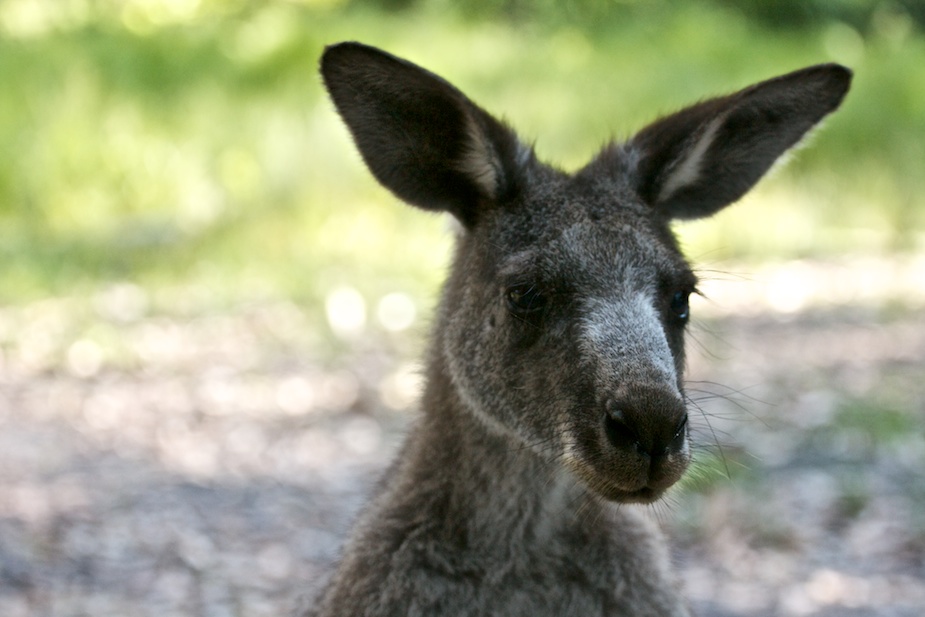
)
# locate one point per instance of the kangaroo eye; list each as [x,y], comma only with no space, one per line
[525,299]
[680,306]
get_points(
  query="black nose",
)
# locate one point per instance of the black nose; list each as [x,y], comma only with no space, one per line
[647,420]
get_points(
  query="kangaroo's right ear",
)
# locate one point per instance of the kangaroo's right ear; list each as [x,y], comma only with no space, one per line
[696,161]
[421,137]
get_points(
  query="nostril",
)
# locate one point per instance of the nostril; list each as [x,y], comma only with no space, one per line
[647,425]
[682,427]
[676,443]
[618,432]
[681,434]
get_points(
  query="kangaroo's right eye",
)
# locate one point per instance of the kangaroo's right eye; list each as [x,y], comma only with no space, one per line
[680,306]
[526,299]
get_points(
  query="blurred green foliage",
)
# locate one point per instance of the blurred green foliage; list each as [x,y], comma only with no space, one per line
[166,141]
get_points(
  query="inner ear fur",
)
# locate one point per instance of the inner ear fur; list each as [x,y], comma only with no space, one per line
[420,136]
[693,163]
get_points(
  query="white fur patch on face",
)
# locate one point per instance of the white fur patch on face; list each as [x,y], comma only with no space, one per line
[628,332]
[687,170]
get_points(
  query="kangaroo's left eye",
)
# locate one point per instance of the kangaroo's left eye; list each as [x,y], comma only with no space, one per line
[680,305]
[525,299]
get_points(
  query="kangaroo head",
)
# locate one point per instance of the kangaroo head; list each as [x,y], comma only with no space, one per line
[562,323]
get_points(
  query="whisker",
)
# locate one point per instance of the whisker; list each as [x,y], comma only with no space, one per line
[716,441]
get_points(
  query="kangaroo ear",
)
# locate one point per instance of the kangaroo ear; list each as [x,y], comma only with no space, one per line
[421,137]
[701,159]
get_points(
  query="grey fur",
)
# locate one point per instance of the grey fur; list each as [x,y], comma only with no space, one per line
[554,390]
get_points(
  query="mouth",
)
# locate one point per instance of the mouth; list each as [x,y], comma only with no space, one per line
[639,485]
[624,476]
[611,491]
[643,495]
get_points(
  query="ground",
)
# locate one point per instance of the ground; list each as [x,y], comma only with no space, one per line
[174,461]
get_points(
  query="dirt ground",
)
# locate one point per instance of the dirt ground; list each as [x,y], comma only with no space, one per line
[181,461]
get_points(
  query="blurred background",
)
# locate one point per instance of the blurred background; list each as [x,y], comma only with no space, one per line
[211,316]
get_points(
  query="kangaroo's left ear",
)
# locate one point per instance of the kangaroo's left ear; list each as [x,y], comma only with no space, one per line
[701,159]
[421,137]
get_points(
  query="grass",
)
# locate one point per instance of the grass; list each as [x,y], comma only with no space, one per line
[184,143]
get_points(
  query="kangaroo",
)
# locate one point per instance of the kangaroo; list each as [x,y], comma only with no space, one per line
[554,394]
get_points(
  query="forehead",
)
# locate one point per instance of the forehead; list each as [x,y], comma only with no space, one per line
[575,228]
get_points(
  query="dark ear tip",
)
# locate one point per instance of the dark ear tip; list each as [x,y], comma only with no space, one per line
[835,77]
[336,51]
[839,74]
[345,47]
[829,83]
[343,54]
